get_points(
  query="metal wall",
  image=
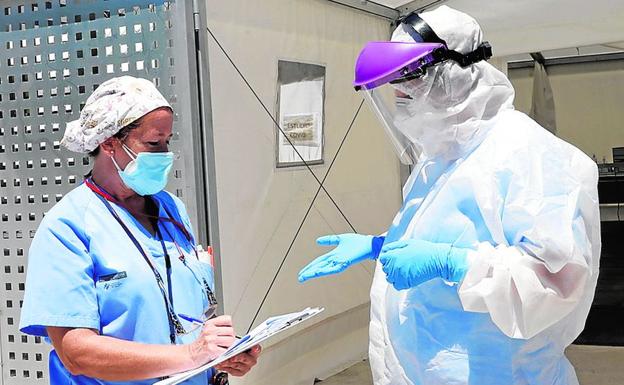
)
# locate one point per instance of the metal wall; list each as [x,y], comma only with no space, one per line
[54,53]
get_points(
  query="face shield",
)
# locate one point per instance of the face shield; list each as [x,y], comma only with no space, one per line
[392,74]
[385,107]
[379,67]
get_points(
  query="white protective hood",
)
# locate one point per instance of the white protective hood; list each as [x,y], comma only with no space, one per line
[451,105]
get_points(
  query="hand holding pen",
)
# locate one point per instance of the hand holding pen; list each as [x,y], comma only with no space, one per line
[197,322]
[216,337]
[238,365]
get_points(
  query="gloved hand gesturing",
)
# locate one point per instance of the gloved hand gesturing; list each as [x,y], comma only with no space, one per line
[408,263]
[352,248]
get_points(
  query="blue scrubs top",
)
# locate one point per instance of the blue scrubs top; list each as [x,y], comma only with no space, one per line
[85,272]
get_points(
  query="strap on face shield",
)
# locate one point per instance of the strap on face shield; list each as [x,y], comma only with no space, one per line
[421,32]
[483,52]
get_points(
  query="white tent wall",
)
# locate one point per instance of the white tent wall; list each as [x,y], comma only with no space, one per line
[588,103]
[260,207]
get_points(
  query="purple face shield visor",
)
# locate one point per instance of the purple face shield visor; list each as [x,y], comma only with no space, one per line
[382,62]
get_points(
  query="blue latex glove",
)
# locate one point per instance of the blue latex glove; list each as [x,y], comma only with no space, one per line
[352,248]
[410,262]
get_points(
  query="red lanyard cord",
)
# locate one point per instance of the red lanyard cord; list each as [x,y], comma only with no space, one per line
[104,194]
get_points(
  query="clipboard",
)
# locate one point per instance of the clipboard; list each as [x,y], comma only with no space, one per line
[272,326]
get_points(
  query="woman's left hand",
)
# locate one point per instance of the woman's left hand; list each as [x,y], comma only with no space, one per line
[242,363]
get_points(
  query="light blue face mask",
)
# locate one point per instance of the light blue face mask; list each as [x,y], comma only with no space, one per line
[147,172]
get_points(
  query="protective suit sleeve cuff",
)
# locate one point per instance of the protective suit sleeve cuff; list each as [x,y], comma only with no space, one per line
[458,264]
[376,245]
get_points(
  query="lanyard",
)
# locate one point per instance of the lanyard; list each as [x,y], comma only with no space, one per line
[103,193]
[212,299]
[175,326]
[184,231]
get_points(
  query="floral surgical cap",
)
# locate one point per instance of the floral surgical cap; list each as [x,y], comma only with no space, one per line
[114,104]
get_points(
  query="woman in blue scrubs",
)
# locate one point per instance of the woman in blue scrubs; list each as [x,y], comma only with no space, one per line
[114,263]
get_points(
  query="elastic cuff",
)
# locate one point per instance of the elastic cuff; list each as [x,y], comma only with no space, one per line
[376,245]
[457,264]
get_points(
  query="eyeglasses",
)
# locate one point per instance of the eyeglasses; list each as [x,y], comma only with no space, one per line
[208,313]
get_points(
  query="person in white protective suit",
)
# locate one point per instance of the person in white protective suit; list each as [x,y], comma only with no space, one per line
[488,271]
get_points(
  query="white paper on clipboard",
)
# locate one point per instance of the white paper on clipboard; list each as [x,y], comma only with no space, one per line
[265,330]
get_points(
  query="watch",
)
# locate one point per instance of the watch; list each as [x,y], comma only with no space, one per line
[221,378]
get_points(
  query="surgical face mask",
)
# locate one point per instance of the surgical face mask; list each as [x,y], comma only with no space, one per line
[403,111]
[147,173]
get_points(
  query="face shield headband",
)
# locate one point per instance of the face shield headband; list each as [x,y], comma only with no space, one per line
[395,62]
[381,65]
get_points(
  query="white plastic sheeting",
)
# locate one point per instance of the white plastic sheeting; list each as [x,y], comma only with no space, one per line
[260,207]
[530,26]
[543,102]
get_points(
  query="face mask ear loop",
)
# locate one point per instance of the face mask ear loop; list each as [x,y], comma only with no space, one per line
[128,151]
[115,163]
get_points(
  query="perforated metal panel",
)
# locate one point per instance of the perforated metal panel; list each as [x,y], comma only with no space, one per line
[53,54]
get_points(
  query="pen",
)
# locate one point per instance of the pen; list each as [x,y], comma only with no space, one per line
[241,341]
[190,319]
[200,322]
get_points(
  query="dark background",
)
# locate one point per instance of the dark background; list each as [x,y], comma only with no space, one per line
[605,323]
